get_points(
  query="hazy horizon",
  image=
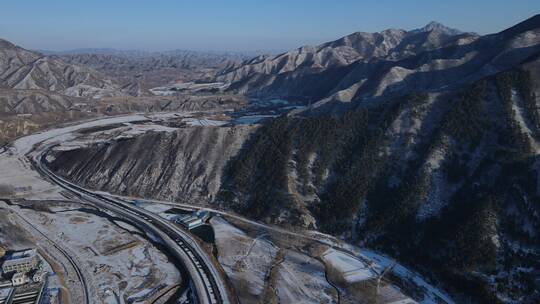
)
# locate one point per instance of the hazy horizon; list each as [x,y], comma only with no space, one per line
[235,26]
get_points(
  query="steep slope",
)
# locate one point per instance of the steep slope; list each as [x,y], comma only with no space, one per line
[448,67]
[291,74]
[26,111]
[365,66]
[35,102]
[183,166]
[456,175]
[23,69]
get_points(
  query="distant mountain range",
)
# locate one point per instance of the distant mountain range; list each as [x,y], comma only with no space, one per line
[156,69]
[139,70]
[367,66]
[23,69]
[139,53]
[97,73]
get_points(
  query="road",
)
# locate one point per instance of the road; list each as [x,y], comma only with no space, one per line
[208,282]
[320,237]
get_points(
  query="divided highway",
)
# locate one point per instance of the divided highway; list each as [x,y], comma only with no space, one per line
[208,283]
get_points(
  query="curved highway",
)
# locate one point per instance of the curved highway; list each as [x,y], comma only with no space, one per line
[208,282]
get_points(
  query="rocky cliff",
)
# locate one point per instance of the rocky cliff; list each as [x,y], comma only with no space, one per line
[184,166]
[24,69]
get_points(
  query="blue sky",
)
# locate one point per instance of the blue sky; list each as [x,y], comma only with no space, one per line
[242,25]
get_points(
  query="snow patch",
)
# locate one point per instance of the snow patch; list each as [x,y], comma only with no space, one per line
[204,122]
[351,268]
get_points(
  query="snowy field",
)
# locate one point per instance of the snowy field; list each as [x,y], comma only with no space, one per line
[246,261]
[379,262]
[301,279]
[204,122]
[260,269]
[25,144]
[115,260]
[432,295]
[17,175]
[17,172]
[351,268]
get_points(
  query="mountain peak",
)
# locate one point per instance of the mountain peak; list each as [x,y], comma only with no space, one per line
[4,44]
[437,26]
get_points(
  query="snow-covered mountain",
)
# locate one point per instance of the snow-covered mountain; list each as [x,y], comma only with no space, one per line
[366,66]
[24,69]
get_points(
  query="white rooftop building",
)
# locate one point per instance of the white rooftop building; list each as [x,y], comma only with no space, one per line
[192,220]
[189,221]
[19,279]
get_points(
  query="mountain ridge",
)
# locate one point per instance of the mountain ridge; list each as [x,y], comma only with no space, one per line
[385,63]
[24,69]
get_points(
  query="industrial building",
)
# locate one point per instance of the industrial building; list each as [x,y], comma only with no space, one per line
[19,279]
[22,279]
[192,220]
[21,261]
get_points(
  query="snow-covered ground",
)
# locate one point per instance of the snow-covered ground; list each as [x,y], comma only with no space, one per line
[123,132]
[245,260]
[204,122]
[432,295]
[351,268]
[155,207]
[260,269]
[524,125]
[17,172]
[113,258]
[379,262]
[23,145]
[18,176]
[301,279]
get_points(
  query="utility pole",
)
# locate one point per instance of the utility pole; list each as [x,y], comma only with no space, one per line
[385,271]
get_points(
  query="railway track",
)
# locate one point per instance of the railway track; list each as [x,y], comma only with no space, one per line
[73,263]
